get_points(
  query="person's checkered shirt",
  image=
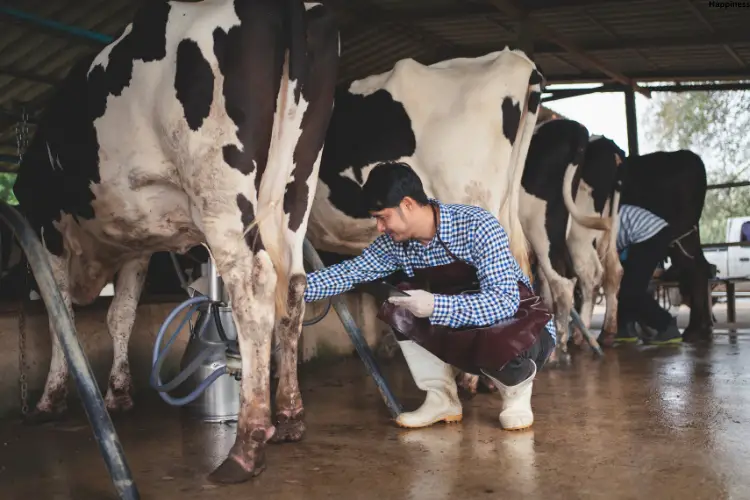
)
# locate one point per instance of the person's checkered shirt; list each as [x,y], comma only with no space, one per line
[472,234]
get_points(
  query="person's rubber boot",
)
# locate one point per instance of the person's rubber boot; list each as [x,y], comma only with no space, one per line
[437,378]
[626,334]
[670,335]
[516,414]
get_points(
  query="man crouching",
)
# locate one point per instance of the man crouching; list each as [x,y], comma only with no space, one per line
[467,304]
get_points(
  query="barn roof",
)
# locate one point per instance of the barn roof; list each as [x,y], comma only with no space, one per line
[573,40]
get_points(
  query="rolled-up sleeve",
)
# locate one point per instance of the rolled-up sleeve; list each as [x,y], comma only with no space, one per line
[376,261]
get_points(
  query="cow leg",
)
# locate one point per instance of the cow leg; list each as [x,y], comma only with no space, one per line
[695,278]
[53,403]
[290,425]
[120,320]
[589,271]
[612,277]
[545,292]
[559,291]
[250,281]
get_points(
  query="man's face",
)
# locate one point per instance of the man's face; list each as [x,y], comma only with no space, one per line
[395,221]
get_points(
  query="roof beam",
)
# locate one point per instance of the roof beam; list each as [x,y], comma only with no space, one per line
[364,11]
[26,75]
[541,5]
[661,76]
[511,9]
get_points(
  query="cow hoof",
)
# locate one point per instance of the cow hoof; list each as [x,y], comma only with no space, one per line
[486,385]
[38,417]
[606,339]
[289,429]
[467,385]
[557,359]
[119,402]
[232,472]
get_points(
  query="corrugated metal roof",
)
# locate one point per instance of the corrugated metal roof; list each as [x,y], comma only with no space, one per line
[637,39]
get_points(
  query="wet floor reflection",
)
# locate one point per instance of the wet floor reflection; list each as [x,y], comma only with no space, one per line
[641,423]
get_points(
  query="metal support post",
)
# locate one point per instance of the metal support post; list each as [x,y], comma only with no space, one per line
[632,122]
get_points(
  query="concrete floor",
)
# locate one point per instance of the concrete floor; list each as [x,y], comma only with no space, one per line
[645,422]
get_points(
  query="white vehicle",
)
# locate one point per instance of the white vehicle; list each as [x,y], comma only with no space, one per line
[732,261]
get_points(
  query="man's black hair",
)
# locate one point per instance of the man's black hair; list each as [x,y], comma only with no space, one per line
[389,183]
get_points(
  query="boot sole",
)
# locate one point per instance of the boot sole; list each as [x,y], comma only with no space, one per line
[665,342]
[626,341]
[519,428]
[453,419]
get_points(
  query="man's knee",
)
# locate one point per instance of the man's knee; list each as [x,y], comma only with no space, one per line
[519,369]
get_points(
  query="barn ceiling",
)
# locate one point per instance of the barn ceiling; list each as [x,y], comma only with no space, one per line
[572,41]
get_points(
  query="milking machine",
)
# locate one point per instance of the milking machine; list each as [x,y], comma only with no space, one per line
[211,366]
[211,363]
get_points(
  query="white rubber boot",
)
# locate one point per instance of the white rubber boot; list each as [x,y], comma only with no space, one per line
[516,411]
[437,378]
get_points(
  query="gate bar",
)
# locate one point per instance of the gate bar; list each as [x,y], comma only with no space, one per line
[93,403]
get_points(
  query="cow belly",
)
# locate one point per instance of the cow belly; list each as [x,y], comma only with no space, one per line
[154,217]
[332,230]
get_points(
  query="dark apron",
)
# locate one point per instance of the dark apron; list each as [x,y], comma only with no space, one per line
[471,348]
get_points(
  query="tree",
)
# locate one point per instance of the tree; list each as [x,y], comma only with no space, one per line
[6,189]
[711,124]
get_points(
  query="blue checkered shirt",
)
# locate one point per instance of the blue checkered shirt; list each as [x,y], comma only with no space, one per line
[472,234]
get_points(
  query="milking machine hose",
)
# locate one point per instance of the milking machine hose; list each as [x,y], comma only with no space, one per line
[158,356]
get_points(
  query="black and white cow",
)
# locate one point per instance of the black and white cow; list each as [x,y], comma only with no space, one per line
[672,184]
[202,122]
[561,229]
[598,188]
[464,125]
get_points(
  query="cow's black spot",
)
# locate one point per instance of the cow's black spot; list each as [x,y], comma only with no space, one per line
[554,146]
[363,130]
[251,79]
[536,77]
[147,42]
[511,119]
[534,100]
[600,170]
[194,83]
[252,237]
[317,89]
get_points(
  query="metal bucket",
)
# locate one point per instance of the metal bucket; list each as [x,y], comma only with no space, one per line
[220,402]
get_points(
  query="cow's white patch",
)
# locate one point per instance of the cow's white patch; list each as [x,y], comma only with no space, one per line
[455,108]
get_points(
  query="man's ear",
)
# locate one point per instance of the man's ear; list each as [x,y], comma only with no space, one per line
[408,203]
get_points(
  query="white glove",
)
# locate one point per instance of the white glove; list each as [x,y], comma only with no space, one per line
[419,302]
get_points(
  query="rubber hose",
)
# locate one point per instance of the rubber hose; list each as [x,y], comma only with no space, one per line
[156,355]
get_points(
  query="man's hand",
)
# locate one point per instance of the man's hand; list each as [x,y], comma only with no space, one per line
[419,302]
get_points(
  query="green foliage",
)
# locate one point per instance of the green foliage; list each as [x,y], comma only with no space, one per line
[713,125]
[6,189]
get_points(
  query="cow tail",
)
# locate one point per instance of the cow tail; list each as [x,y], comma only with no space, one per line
[272,225]
[519,245]
[589,221]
